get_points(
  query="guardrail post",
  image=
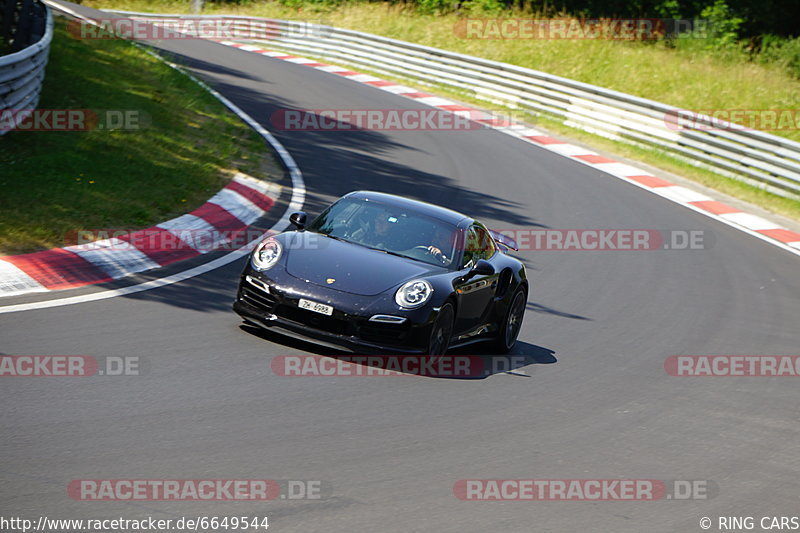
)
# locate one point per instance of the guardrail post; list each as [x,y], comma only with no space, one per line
[22,71]
[24,26]
[7,17]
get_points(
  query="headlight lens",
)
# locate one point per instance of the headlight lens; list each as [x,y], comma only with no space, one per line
[267,254]
[413,294]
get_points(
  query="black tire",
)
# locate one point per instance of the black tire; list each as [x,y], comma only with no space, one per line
[442,330]
[509,329]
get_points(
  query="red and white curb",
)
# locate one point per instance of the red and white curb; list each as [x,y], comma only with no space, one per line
[224,216]
[752,224]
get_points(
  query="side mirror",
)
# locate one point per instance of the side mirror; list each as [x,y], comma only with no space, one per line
[481,268]
[298,220]
[504,240]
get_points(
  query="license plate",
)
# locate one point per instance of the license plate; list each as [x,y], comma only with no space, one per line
[315,306]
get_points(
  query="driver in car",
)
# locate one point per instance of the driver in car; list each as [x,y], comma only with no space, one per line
[441,244]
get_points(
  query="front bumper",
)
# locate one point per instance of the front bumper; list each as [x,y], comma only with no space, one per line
[276,308]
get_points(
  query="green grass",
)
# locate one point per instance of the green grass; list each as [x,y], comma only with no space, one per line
[54,183]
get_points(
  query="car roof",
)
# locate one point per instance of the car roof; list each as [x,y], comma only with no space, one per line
[431,210]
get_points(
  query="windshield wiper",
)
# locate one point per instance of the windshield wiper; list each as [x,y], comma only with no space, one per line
[396,254]
[335,237]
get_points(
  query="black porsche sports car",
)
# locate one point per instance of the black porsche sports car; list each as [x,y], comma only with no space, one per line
[377,273]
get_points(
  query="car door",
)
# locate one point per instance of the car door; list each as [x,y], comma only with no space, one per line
[476,293]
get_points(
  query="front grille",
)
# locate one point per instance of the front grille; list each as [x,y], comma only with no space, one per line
[330,324]
[257,298]
[383,333]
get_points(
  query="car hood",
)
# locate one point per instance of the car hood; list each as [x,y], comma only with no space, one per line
[354,268]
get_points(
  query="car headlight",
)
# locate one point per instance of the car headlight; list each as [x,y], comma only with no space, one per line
[267,254]
[413,294]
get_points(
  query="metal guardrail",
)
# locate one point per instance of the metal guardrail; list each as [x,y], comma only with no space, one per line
[759,158]
[28,27]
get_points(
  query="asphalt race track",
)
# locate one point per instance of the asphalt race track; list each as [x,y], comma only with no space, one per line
[591,400]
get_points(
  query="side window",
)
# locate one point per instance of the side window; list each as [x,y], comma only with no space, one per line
[470,248]
[479,245]
[487,246]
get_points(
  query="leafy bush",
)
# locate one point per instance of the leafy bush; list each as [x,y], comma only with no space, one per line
[723,25]
[434,7]
[781,51]
[484,6]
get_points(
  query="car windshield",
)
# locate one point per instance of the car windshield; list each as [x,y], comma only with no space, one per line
[389,229]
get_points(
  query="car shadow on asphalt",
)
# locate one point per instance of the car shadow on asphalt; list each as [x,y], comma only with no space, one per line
[473,362]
